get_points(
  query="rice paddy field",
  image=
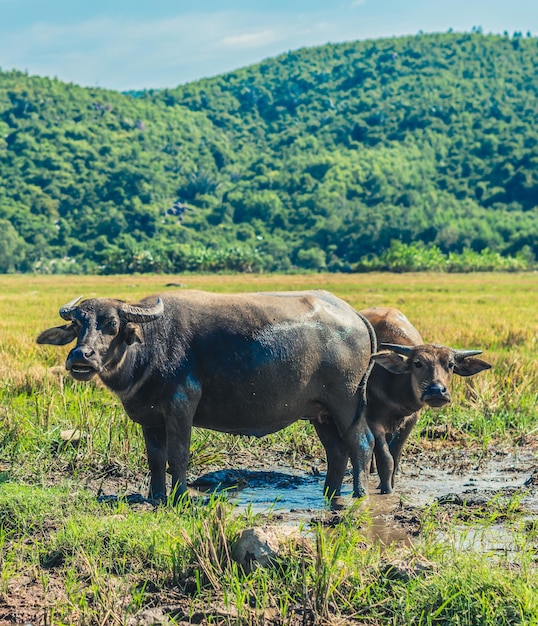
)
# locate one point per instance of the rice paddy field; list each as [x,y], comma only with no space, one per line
[70,554]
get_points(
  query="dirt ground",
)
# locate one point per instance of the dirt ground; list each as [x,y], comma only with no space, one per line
[454,477]
[461,481]
[457,479]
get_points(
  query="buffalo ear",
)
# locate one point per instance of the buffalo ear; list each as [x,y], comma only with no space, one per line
[132,334]
[470,366]
[391,361]
[58,336]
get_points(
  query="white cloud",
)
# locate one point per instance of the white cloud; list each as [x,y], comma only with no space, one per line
[250,40]
[136,53]
[119,48]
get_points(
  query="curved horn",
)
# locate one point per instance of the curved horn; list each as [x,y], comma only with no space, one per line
[405,350]
[141,314]
[67,310]
[463,354]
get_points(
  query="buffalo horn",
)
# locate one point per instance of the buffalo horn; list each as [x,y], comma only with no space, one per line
[142,314]
[405,350]
[463,354]
[67,310]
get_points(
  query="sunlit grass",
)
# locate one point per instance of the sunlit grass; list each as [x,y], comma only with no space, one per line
[92,563]
[494,312]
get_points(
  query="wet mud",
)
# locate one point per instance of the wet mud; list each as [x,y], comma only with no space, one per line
[464,485]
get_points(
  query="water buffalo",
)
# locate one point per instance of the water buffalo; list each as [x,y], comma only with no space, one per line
[407,376]
[247,364]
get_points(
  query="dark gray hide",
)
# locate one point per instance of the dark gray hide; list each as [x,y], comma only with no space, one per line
[247,364]
[407,376]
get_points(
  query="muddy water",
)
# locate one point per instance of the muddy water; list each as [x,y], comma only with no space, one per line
[450,478]
[295,499]
[433,479]
[265,491]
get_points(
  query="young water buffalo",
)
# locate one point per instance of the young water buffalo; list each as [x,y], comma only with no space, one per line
[247,364]
[407,376]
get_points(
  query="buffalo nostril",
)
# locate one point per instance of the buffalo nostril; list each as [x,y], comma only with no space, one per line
[437,389]
[82,353]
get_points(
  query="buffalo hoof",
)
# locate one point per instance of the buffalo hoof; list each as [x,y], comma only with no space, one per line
[157,499]
[337,503]
[131,498]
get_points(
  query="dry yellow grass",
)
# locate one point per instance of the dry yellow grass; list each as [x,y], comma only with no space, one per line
[66,559]
[497,313]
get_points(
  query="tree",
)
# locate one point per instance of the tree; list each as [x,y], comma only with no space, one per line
[12,248]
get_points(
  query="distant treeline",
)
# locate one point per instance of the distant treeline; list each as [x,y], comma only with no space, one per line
[410,153]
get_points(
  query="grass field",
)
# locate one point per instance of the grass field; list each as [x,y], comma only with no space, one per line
[67,559]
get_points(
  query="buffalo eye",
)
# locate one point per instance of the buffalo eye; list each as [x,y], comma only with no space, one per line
[417,363]
[111,326]
[451,365]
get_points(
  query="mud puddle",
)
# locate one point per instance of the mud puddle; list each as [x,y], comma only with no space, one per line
[458,480]
[264,491]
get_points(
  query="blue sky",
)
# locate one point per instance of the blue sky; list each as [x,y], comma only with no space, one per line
[135,44]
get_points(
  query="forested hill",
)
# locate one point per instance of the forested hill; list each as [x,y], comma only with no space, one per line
[318,158]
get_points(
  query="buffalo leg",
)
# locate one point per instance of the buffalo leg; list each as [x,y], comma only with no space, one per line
[155,439]
[178,438]
[398,440]
[178,433]
[384,462]
[360,443]
[337,457]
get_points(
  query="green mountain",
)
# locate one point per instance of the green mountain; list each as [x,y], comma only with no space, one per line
[316,159]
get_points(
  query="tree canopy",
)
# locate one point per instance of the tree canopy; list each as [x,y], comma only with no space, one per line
[320,158]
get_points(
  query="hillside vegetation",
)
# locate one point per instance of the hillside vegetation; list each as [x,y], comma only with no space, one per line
[316,159]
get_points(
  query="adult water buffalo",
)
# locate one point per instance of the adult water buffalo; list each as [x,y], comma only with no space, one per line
[407,376]
[247,364]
